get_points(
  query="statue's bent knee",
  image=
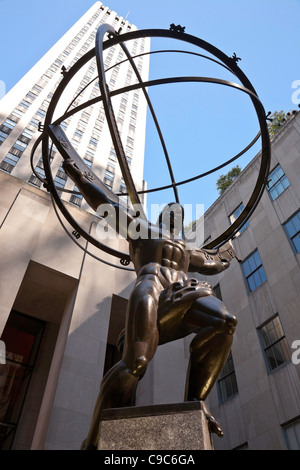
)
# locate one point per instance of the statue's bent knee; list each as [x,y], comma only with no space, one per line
[140,366]
[231,322]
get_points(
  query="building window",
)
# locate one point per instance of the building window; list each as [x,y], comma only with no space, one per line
[90,154]
[60,178]
[227,380]
[6,128]
[113,155]
[34,181]
[93,141]
[123,188]
[41,112]
[19,145]
[27,133]
[88,162]
[25,104]
[120,122]
[9,162]
[130,142]
[11,159]
[31,95]
[64,125]
[3,136]
[108,182]
[111,167]
[292,228]
[217,291]
[129,152]
[78,133]
[291,432]
[274,343]
[109,178]
[76,199]
[39,170]
[109,174]
[277,182]
[34,122]
[17,113]
[37,88]
[254,271]
[235,214]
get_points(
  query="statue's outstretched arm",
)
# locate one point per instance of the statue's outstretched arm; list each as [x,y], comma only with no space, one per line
[84,181]
[211,262]
[98,196]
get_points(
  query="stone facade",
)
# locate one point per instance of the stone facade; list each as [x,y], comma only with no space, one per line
[264,411]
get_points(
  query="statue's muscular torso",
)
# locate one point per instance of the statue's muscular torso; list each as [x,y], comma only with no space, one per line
[167,259]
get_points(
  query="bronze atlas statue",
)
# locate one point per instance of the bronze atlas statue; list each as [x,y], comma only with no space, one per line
[166,303]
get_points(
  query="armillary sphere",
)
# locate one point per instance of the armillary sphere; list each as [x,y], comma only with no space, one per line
[52,131]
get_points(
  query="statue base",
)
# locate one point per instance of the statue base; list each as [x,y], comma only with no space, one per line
[181,426]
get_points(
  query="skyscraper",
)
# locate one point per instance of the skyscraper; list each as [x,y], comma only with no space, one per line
[61,309]
[23,109]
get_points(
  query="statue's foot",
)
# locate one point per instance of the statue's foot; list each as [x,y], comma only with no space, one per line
[213,424]
[86,446]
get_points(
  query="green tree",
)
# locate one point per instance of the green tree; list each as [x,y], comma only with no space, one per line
[190,226]
[277,119]
[224,181]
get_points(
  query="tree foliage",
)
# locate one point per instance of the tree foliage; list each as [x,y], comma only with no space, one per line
[224,181]
[277,119]
[189,226]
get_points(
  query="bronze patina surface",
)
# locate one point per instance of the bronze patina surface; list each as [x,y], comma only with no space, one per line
[166,303]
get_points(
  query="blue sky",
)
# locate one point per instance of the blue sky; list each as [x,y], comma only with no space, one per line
[203,125]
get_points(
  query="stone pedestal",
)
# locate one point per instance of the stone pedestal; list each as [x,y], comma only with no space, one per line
[181,426]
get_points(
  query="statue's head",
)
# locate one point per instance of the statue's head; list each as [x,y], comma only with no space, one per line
[171,217]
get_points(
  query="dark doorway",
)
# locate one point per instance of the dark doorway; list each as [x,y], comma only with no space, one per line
[22,336]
